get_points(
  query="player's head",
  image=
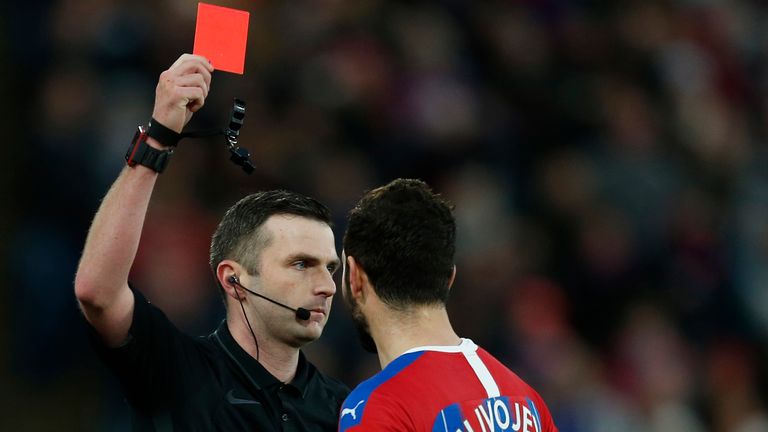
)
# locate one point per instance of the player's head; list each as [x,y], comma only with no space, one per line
[403,236]
[240,235]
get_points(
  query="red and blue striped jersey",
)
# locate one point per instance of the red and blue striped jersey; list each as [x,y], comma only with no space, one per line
[446,389]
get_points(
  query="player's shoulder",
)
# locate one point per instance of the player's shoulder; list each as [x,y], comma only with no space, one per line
[513,385]
[380,382]
[379,395]
[370,404]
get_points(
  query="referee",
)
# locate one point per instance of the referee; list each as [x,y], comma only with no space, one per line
[273,255]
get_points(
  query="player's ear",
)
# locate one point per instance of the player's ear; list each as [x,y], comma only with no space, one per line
[453,277]
[358,279]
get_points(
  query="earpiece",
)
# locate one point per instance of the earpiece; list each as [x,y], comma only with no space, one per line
[233,280]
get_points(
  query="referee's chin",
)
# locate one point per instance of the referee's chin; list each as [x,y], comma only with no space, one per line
[310,332]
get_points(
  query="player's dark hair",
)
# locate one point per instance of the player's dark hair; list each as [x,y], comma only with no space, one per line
[239,236]
[404,236]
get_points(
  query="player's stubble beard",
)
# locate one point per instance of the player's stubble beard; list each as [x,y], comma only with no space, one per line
[361,324]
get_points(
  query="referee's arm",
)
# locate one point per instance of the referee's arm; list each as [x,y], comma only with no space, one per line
[101,283]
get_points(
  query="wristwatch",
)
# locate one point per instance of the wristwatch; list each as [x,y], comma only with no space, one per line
[139,152]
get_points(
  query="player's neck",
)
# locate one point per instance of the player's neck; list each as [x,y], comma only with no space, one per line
[277,358]
[398,332]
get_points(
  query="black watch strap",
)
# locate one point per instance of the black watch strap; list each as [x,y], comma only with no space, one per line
[164,135]
[139,152]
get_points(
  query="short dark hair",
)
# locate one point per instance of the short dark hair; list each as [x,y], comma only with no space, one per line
[404,237]
[239,236]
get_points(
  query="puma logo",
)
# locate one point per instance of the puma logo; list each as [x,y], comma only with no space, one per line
[346,411]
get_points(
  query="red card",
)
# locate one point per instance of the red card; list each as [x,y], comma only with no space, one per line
[220,35]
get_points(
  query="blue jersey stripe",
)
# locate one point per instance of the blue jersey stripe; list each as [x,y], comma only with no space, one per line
[353,407]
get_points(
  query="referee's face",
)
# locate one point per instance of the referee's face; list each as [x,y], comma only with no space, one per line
[296,268]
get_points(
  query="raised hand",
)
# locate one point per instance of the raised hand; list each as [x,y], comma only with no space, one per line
[182,90]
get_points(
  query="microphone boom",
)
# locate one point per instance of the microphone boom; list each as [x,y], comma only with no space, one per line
[301,313]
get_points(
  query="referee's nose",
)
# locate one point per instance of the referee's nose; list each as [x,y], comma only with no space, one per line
[324,284]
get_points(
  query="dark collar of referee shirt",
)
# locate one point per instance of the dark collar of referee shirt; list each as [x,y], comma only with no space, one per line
[297,387]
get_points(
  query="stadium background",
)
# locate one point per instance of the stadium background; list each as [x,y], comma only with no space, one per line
[607,160]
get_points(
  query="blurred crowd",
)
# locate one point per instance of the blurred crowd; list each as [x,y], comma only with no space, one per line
[607,160]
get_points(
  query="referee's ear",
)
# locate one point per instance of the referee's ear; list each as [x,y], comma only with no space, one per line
[453,278]
[227,269]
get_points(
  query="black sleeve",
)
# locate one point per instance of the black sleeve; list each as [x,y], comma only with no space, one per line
[147,364]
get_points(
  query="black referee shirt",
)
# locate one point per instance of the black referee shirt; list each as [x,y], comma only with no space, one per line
[174,382]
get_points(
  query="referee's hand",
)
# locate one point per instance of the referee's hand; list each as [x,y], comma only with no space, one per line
[182,90]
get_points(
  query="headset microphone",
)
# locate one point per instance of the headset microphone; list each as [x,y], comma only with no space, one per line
[301,313]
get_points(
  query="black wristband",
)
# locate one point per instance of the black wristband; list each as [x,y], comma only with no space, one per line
[141,153]
[164,135]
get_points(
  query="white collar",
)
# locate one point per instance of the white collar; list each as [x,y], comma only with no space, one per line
[466,345]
